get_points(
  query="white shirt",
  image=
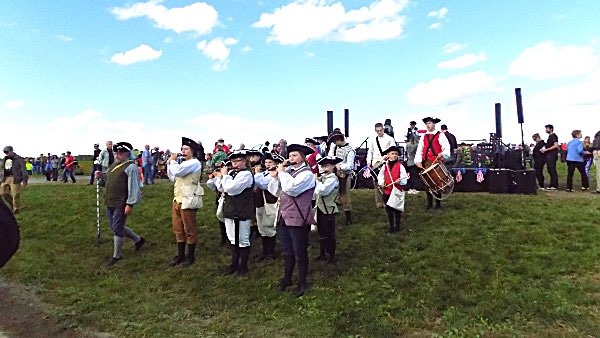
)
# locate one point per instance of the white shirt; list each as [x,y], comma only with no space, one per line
[373,154]
[211,183]
[175,169]
[443,142]
[235,186]
[403,175]
[292,186]
[348,164]
[261,181]
[326,187]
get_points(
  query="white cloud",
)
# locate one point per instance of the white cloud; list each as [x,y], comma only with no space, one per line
[453,47]
[197,17]
[64,38]
[439,14]
[218,51]
[549,61]
[14,104]
[309,54]
[306,20]
[246,49]
[138,54]
[450,90]
[435,25]
[462,61]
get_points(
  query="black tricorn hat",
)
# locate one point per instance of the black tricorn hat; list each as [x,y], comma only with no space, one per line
[392,148]
[330,160]
[252,152]
[431,119]
[311,141]
[239,153]
[190,143]
[122,147]
[335,135]
[300,148]
[274,157]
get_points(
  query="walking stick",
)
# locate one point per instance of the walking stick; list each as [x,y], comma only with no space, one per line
[97,211]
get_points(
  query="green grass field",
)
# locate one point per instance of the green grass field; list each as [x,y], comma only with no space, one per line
[488,265]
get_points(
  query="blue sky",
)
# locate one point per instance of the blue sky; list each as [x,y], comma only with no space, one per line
[74,73]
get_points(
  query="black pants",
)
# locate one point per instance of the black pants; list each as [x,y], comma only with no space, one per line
[438,203]
[551,165]
[538,166]
[55,174]
[571,166]
[294,244]
[413,171]
[394,216]
[326,225]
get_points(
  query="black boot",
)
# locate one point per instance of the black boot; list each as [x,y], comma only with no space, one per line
[390,214]
[323,249]
[265,249]
[429,201]
[235,255]
[224,240]
[302,276]
[288,269]
[331,250]
[243,266]
[438,204]
[180,255]
[271,250]
[191,256]
[398,221]
[348,217]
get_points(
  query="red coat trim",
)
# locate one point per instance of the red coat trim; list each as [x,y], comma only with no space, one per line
[395,171]
[427,154]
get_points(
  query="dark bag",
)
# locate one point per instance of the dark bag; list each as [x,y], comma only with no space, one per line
[9,234]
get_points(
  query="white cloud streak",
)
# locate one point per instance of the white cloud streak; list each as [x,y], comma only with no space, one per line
[218,51]
[310,20]
[14,104]
[546,60]
[138,54]
[453,47]
[197,17]
[462,61]
[439,14]
[450,90]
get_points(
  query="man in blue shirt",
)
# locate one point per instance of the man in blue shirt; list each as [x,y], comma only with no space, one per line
[148,165]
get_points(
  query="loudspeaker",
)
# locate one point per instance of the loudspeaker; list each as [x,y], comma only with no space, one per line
[498,121]
[519,105]
[500,180]
[329,122]
[526,182]
[513,160]
[347,122]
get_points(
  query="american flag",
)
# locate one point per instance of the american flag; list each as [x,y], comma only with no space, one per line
[480,176]
[458,176]
[366,172]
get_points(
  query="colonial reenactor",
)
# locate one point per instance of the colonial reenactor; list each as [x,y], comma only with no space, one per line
[266,206]
[295,187]
[375,157]
[238,208]
[326,192]
[13,175]
[312,158]
[343,150]
[391,178]
[187,200]
[433,146]
[255,157]
[211,184]
[121,194]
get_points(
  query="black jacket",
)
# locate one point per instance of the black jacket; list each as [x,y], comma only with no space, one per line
[9,234]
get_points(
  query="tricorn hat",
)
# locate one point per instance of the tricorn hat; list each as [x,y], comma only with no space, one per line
[274,157]
[240,153]
[392,148]
[431,119]
[329,160]
[300,148]
[311,141]
[122,147]
[335,135]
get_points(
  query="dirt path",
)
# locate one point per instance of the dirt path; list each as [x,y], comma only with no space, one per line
[22,315]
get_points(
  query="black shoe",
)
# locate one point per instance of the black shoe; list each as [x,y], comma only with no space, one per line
[139,244]
[284,284]
[243,266]
[332,260]
[348,217]
[235,255]
[113,260]
[301,290]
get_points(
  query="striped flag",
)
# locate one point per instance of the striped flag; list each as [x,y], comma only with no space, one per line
[458,176]
[366,172]
[480,176]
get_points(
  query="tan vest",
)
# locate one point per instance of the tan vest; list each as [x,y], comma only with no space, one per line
[187,180]
[327,203]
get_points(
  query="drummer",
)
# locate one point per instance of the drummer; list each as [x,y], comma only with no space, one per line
[433,148]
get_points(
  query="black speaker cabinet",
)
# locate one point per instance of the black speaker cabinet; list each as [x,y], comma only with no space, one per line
[500,181]
[526,182]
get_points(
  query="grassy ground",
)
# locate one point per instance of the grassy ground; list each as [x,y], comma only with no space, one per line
[496,265]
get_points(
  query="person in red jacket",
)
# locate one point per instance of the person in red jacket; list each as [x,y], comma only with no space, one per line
[312,158]
[433,147]
[393,175]
[69,167]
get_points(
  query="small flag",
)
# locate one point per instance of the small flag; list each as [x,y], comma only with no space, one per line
[480,176]
[366,172]
[458,176]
